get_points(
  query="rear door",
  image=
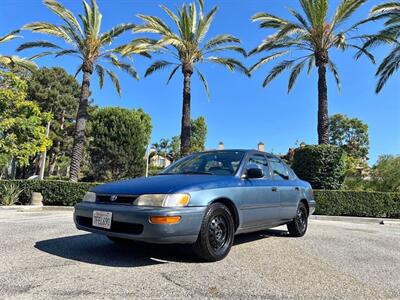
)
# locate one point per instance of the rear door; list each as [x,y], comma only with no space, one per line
[261,203]
[289,192]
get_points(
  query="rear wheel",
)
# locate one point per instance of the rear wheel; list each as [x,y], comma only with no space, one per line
[298,226]
[216,234]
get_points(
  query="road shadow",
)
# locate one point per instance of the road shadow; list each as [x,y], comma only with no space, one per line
[97,249]
[259,235]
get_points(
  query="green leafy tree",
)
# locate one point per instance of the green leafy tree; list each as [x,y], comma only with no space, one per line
[93,48]
[308,40]
[11,62]
[197,139]
[119,141]
[22,130]
[389,12]
[56,92]
[351,134]
[187,46]
[199,134]
[386,174]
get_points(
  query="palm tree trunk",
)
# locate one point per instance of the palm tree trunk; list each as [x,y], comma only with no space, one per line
[323,117]
[81,118]
[185,127]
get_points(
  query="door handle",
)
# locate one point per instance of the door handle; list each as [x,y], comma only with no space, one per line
[274,189]
[297,188]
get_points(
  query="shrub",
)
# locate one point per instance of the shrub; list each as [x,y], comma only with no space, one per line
[323,166]
[54,192]
[357,203]
[10,194]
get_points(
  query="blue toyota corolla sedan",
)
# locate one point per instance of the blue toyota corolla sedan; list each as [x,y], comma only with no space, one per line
[203,199]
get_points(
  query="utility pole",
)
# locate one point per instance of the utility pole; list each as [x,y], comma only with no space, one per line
[43,159]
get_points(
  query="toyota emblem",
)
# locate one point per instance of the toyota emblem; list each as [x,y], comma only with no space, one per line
[113,198]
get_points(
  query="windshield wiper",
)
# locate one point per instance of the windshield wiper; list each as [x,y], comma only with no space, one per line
[196,172]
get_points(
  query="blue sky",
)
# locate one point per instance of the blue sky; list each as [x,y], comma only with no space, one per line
[240,113]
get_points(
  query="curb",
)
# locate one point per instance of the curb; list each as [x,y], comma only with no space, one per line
[36,208]
[382,221]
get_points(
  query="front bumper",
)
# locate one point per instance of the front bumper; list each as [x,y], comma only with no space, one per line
[132,222]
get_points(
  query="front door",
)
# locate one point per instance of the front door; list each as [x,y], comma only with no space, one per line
[261,203]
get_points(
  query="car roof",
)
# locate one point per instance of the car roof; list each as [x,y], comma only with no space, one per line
[251,151]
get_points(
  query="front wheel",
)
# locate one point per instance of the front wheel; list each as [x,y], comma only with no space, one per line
[298,226]
[216,234]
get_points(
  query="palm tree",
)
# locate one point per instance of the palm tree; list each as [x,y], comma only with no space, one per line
[309,38]
[186,46]
[10,62]
[390,13]
[93,48]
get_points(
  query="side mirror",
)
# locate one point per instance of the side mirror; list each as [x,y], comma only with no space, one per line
[254,173]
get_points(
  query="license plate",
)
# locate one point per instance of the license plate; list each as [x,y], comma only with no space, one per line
[102,219]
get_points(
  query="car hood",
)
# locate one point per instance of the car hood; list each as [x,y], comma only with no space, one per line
[163,184]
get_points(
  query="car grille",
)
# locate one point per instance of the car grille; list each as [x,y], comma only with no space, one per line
[118,227]
[121,199]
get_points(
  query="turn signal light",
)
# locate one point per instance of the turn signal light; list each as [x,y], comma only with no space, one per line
[164,219]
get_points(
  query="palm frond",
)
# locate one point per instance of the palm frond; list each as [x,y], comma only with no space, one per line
[205,23]
[386,7]
[114,32]
[266,59]
[48,28]
[158,65]
[9,36]
[115,81]
[37,44]
[295,73]
[362,51]
[219,40]
[230,63]
[345,9]
[128,68]
[173,73]
[78,70]
[278,69]
[311,63]
[229,48]
[300,18]
[333,69]
[16,61]
[269,21]
[100,70]
[204,81]
[64,13]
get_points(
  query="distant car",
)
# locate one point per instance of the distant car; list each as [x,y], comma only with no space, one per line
[203,199]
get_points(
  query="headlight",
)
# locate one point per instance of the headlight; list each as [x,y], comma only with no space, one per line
[89,197]
[163,200]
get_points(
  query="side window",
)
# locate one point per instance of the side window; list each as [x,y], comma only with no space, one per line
[261,162]
[278,169]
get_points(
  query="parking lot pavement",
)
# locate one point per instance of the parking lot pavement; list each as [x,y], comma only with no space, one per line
[43,256]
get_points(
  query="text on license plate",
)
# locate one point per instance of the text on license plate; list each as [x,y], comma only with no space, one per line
[102,219]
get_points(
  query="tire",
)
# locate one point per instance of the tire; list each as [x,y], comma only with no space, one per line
[298,227]
[216,233]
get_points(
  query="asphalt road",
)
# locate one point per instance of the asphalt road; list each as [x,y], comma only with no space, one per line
[42,256]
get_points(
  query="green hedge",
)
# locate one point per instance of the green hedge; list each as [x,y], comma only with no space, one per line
[63,193]
[357,203]
[323,166]
[329,202]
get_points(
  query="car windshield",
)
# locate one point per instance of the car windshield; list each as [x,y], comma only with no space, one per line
[208,163]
